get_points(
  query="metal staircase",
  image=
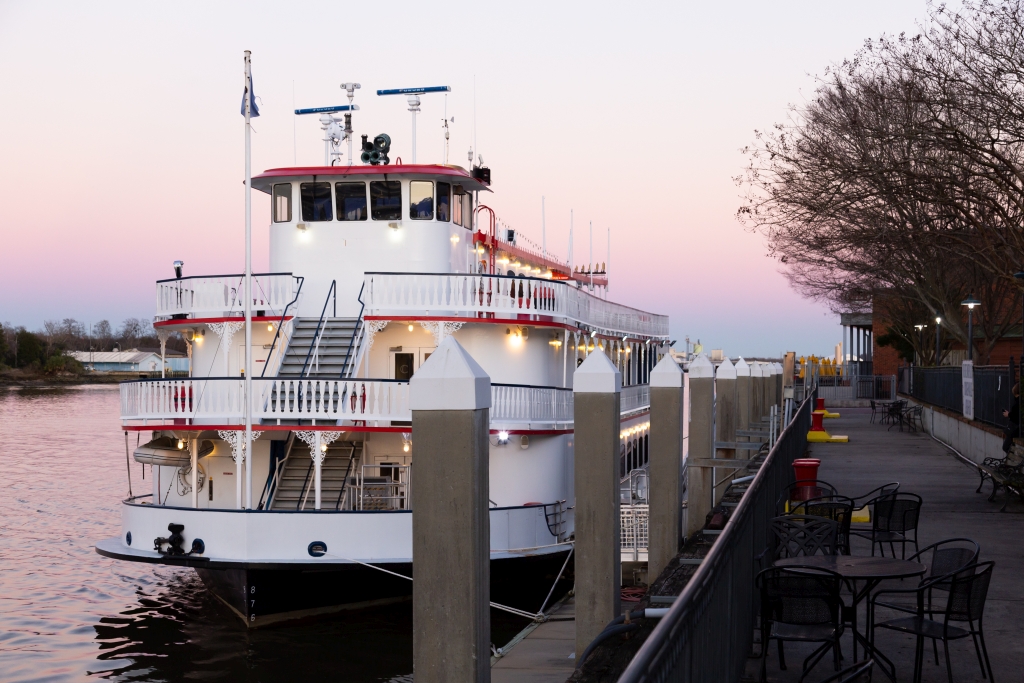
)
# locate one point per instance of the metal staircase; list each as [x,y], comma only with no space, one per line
[328,356]
[295,489]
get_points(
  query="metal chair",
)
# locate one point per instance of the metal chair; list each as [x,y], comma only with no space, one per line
[804,489]
[837,508]
[968,589]
[800,604]
[802,536]
[894,520]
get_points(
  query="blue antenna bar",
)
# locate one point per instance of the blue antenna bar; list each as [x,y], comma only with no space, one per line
[415,91]
[327,110]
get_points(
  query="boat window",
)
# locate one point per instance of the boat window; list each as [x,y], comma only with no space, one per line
[351,201]
[444,200]
[386,200]
[421,200]
[457,206]
[467,211]
[316,201]
[283,203]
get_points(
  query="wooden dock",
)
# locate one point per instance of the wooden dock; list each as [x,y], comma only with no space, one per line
[541,653]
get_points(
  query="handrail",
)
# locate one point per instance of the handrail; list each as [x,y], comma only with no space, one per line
[693,642]
[316,336]
[271,485]
[348,471]
[357,331]
[281,323]
[199,277]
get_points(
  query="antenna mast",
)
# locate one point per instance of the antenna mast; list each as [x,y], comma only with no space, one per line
[414,104]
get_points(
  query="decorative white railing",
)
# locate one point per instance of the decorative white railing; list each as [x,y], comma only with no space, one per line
[218,400]
[462,295]
[513,404]
[635,399]
[222,295]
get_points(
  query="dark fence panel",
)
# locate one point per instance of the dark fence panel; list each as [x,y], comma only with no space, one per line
[708,632]
[992,386]
[941,387]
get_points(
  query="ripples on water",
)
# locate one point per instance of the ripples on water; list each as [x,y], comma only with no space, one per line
[67,614]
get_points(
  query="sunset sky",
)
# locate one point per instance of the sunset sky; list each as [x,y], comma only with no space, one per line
[122,145]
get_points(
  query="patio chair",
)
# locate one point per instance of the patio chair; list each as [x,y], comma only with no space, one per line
[804,489]
[968,589]
[895,520]
[913,417]
[837,508]
[802,536]
[868,500]
[800,604]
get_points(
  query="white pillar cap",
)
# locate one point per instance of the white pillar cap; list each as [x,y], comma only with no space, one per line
[742,369]
[701,367]
[597,375]
[667,373]
[756,370]
[726,370]
[450,380]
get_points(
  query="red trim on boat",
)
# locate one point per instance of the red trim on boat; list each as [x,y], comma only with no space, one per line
[234,318]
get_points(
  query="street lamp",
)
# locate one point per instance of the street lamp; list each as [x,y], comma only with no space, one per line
[970,302]
[920,340]
[1020,276]
[938,337]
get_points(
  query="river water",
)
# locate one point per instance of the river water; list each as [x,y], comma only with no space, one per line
[68,614]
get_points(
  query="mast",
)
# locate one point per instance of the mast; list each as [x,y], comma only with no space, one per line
[543,234]
[248,283]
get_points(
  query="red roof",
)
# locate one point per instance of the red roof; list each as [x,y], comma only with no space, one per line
[264,180]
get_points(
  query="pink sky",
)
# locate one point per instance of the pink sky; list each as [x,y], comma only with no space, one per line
[122,145]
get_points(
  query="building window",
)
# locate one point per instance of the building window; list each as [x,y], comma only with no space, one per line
[444,200]
[283,203]
[316,201]
[421,200]
[386,200]
[351,201]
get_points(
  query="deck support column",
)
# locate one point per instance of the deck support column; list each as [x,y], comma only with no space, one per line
[756,395]
[666,462]
[597,387]
[699,477]
[450,397]
[194,451]
[725,424]
[743,396]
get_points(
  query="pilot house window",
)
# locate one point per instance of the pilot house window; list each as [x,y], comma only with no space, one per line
[351,201]
[421,200]
[316,201]
[444,201]
[386,200]
[283,203]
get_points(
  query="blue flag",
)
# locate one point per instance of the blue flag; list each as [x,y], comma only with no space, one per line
[253,110]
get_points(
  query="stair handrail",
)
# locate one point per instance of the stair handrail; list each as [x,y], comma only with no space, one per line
[271,486]
[348,470]
[319,324]
[358,331]
[281,323]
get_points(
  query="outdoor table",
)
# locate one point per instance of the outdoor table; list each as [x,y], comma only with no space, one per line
[869,570]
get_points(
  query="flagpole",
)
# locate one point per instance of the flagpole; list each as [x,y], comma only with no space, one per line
[248,284]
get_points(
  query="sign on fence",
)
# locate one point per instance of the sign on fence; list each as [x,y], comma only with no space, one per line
[968,385]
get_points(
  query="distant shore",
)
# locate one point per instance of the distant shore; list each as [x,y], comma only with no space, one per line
[22,378]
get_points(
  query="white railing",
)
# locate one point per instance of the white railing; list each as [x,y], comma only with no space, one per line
[221,295]
[337,400]
[634,522]
[462,294]
[524,405]
[635,399]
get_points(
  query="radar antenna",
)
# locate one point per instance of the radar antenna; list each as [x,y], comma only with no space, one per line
[336,130]
[414,104]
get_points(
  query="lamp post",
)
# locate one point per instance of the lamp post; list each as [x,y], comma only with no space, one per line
[920,340]
[938,337]
[970,302]
[1020,278]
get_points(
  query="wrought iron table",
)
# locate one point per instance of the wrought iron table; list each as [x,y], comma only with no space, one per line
[855,568]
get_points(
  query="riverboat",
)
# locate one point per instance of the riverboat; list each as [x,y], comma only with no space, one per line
[372,266]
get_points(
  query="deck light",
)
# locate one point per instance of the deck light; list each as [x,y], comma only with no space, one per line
[455,239]
[181,444]
[178,266]
[405,447]
[503,438]
[323,448]
[270,327]
[593,334]
[410,327]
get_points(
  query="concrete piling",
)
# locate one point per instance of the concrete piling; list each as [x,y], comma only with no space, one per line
[666,460]
[699,476]
[597,386]
[726,405]
[757,407]
[450,397]
[743,395]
